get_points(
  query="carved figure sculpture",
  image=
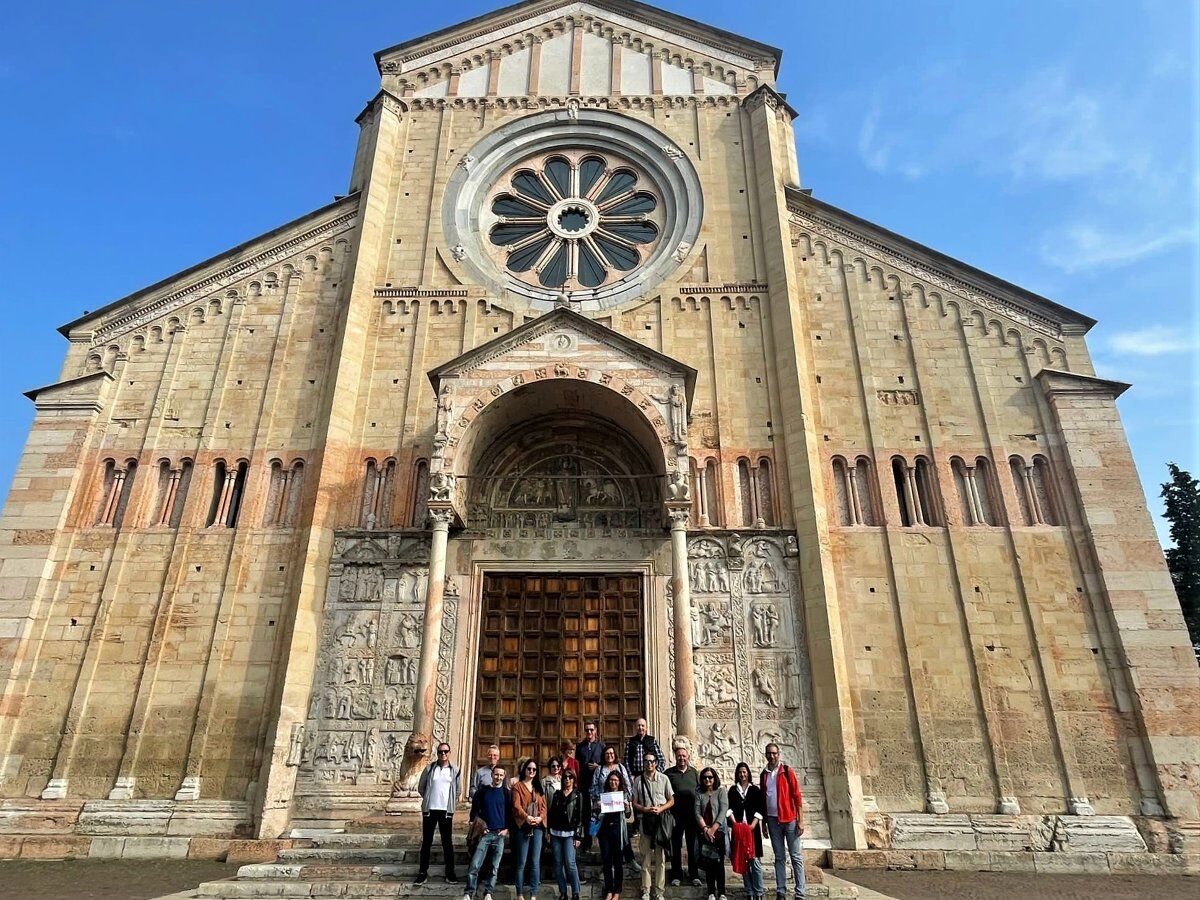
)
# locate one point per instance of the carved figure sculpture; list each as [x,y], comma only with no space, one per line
[766,619]
[441,487]
[715,621]
[764,684]
[408,631]
[791,682]
[720,748]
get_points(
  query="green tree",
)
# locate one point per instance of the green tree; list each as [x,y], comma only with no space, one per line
[1182,496]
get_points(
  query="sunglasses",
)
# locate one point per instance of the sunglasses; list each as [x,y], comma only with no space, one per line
[443,749]
[707,778]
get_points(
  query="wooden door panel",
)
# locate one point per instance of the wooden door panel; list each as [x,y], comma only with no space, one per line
[555,650]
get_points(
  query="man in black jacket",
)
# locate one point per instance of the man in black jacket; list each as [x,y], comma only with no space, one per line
[589,753]
[638,746]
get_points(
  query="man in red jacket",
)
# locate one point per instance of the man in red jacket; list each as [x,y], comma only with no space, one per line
[785,820]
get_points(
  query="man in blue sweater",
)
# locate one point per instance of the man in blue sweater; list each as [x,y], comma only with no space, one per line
[489,805]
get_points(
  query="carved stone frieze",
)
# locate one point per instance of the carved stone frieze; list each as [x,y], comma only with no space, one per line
[366,672]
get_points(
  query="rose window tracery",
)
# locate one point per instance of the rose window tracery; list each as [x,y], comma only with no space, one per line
[573,220]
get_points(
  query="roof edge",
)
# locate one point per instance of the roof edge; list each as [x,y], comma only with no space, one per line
[1059,381]
[1071,320]
[628,6]
[66,329]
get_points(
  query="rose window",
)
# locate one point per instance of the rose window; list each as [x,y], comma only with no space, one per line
[574,220]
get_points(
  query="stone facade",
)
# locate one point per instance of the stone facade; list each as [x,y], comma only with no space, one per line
[880,507]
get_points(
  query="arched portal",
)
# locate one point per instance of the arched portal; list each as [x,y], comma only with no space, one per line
[562,452]
[564,643]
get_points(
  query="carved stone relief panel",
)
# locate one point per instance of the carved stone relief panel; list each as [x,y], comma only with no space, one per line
[752,673]
[361,708]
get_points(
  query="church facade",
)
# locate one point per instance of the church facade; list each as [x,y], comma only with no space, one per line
[577,406]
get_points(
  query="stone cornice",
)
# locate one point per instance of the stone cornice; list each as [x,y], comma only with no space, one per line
[752,52]
[73,394]
[945,273]
[1056,382]
[197,282]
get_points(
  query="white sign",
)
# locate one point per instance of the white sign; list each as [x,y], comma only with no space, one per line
[613,802]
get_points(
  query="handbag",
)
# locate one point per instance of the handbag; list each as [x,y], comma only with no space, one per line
[657,826]
[475,833]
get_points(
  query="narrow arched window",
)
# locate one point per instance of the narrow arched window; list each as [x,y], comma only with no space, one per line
[765,492]
[1021,487]
[370,495]
[420,494]
[841,492]
[694,481]
[273,514]
[962,491]
[928,508]
[1044,493]
[905,495]
[711,494]
[745,494]
[114,494]
[229,488]
[862,485]
[295,490]
[987,492]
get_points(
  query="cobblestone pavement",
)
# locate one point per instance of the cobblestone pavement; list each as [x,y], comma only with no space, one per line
[1012,886]
[105,879]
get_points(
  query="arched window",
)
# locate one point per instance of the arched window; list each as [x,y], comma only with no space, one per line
[377,494]
[229,488]
[745,494]
[1033,483]
[711,494]
[295,490]
[841,492]
[854,491]
[764,491]
[1016,468]
[695,481]
[1043,492]
[273,514]
[420,494]
[114,494]
[863,490]
[978,494]
[929,512]
[173,483]
[916,495]
[987,492]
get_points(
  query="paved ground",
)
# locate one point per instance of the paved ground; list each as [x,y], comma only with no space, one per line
[1004,886]
[104,879]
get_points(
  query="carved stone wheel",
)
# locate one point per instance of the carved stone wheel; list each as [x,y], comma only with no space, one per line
[573,219]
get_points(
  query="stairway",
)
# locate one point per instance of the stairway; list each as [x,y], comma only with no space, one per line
[378,858]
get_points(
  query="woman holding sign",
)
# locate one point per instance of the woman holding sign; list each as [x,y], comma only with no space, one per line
[615,814]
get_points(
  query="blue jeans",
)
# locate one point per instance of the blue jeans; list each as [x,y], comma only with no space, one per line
[785,841]
[527,846]
[564,864]
[489,851]
[753,879]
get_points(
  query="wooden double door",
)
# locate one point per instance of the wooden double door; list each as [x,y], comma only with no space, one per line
[556,650]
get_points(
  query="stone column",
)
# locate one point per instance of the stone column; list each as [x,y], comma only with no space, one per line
[685,669]
[416,749]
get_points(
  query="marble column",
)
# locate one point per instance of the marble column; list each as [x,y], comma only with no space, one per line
[685,670]
[417,747]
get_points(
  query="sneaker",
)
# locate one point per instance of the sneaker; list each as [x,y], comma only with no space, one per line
[468,897]
[487,896]
[675,883]
[696,882]
[421,878]
[451,879]
[712,897]
[646,896]
[722,897]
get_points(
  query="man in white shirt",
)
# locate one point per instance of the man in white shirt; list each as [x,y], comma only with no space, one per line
[439,788]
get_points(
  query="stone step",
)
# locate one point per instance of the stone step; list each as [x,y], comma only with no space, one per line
[294,890]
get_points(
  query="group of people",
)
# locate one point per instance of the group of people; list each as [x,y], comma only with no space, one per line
[638,811]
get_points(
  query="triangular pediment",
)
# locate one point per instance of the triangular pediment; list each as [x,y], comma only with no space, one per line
[559,336]
[580,48]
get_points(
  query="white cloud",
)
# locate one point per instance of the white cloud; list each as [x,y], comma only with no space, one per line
[1155,340]
[1085,246]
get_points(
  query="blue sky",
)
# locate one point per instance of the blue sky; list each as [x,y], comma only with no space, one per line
[1051,143]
